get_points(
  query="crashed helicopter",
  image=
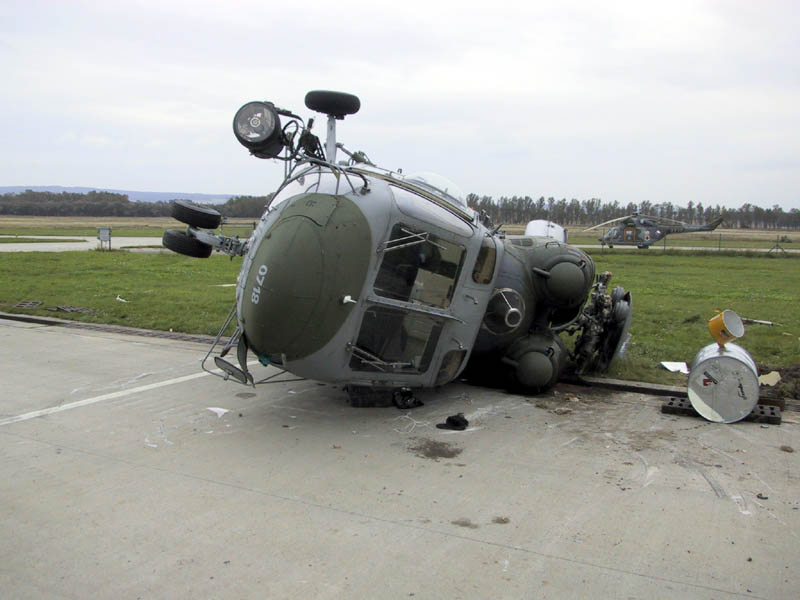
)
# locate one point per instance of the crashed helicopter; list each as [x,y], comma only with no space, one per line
[642,230]
[385,282]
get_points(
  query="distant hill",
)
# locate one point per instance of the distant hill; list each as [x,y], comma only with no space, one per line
[134,196]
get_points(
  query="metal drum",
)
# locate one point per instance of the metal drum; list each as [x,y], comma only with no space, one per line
[723,383]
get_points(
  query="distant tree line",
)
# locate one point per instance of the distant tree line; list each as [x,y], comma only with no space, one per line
[505,210]
[108,204]
[521,209]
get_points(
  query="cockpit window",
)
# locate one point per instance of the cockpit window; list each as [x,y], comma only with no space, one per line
[395,341]
[441,186]
[419,267]
[484,266]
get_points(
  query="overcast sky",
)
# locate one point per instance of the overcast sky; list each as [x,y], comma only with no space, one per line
[628,101]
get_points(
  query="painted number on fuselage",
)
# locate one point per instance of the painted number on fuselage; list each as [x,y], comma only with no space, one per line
[256,295]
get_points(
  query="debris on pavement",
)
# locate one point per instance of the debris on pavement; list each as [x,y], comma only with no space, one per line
[404,398]
[502,520]
[455,422]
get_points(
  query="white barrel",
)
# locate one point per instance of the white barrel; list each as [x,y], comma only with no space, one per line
[723,383]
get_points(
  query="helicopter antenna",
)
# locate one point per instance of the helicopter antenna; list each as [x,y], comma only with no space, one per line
[330,141]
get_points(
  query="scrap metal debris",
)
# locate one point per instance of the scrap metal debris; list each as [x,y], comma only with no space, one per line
[455,422]
[756,321]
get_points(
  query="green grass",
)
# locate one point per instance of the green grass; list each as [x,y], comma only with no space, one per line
[163,290]
[674,295]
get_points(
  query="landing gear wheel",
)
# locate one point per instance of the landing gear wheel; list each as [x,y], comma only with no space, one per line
[182,243]
[337,104]
[195,216]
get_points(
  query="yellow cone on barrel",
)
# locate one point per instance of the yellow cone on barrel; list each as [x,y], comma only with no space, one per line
[725,327]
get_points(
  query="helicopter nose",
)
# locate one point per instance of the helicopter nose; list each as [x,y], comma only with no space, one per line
[302,269]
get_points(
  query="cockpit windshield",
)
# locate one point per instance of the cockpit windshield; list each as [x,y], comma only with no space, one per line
[440,186]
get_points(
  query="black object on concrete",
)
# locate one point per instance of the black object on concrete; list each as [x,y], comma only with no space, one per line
[455,422]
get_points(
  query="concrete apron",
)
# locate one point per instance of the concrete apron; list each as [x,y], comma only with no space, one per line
[127,471]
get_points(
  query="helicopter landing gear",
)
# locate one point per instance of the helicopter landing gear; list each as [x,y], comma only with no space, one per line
[194,215]
[182,243]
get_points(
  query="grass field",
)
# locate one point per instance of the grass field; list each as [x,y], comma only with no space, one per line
[673,295]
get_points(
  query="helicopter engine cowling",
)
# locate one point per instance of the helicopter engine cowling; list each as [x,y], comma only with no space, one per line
[541,282]
[536,361]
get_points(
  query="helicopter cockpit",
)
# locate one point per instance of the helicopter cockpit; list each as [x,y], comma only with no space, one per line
[378,280]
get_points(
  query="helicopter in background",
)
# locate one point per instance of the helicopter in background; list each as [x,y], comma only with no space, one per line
[642,230]
[384,282]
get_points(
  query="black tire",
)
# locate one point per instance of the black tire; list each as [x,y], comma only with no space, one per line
[180,242]
[337,104]
[196,216]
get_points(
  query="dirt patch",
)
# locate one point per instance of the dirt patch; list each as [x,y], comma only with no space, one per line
[465,523]
[788,386]
[650,440]
[433,449]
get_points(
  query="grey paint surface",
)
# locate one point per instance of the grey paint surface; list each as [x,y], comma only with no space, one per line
[147,493]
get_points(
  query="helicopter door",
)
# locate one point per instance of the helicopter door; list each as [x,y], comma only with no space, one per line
[630,234]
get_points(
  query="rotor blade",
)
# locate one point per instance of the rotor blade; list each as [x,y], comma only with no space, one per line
[664,220]
[608,222]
